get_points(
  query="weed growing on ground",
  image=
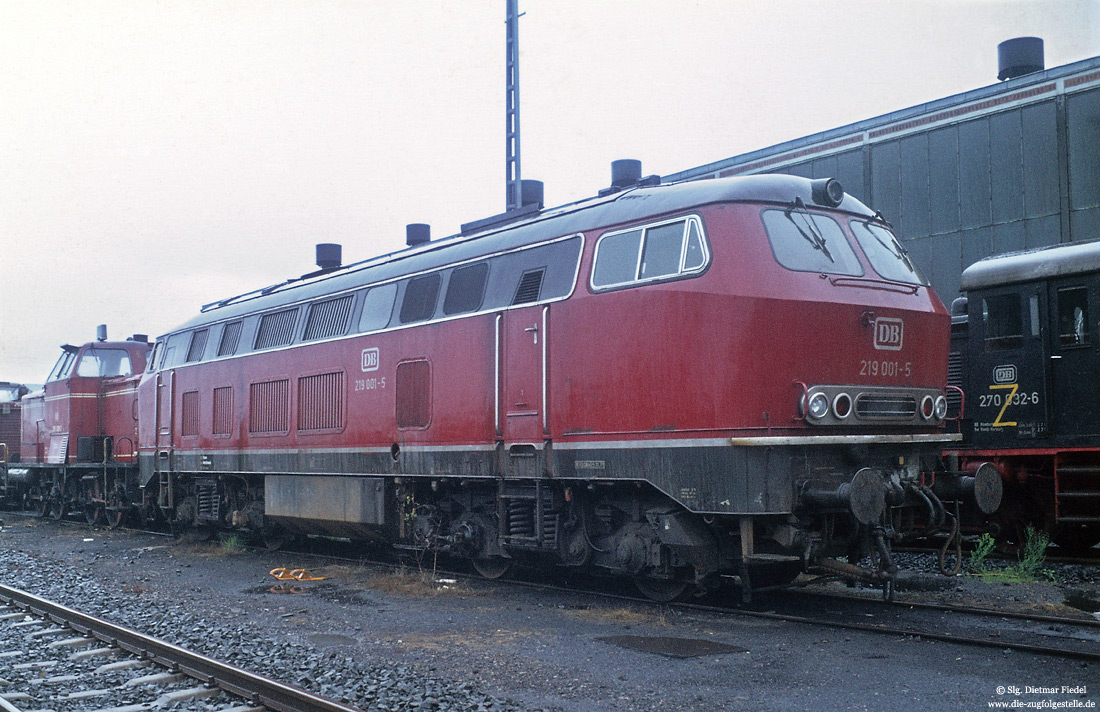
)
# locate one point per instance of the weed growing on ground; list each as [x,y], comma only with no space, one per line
[419,584]
[1030,559]
[232,544]
[980,553]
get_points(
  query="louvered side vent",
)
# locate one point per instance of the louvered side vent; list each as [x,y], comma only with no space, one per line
[321,401]
[954,378]
[268,407]
[276,329]
[530,286]
[231,334]
[198,345]
[223,411]
[190,414]
[328,318]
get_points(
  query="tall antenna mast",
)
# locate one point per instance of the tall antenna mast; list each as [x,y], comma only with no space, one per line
[513,198]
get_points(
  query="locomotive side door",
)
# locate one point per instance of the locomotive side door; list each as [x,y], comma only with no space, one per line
[165,394]
[1008,382]
[521,401]
[1075,388]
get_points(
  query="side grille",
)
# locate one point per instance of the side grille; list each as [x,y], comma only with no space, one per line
[269,404]
[885,406]
[954,378]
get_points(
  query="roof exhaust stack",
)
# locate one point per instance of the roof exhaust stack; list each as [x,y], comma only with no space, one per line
[531,192]
[329,255]
[625,172]
[1019,56]
[101,332]
[417,234]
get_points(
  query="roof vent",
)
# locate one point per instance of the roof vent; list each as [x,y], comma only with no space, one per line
[417,234]
[530,193]
[625,172]
[101,332]
[1019,56]
[329,255]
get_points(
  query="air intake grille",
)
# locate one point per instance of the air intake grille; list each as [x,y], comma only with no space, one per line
[328,318]
[230,336]
[321,401]
[269,406]
[954,378]
[276,329]
[885,406]
[190,408]
[223,411]
[530,286]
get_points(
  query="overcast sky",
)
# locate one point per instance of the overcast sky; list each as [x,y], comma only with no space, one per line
[157,156]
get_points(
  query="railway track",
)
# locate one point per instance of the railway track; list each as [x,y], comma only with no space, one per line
[56,658]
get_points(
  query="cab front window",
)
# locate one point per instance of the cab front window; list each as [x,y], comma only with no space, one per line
[97,362]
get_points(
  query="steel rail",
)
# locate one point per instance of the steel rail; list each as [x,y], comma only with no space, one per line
[257,689]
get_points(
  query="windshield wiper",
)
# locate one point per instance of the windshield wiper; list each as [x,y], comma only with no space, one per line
[896,249]
[814,238]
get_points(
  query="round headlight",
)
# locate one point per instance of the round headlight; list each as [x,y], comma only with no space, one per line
[819,406]
[941,407]
[927,407]
[842,406]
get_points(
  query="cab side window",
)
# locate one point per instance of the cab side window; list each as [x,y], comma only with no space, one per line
[1073,316]
[1004,323]
[664,250]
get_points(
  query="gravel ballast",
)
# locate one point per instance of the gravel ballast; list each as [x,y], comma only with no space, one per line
[476,647]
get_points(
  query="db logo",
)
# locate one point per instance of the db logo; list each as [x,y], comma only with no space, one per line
[370,360]
[888,333]
[1004,374]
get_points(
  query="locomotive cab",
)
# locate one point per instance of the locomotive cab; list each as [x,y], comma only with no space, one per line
[1028,351]
[79,432]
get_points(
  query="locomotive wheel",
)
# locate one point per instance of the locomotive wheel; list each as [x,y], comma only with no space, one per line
[117,507]
[40,504]
[662,590]
[94,514]
[492,567]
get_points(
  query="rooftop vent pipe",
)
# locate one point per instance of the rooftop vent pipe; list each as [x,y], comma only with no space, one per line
[1019,56]
[329,255]
[417,234]
[625,172]
[531,193]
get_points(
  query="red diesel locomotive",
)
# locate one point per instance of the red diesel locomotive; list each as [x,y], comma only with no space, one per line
[735,377]
[79,433]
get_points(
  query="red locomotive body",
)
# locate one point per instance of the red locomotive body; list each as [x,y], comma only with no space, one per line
[79,433]
[674,382]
